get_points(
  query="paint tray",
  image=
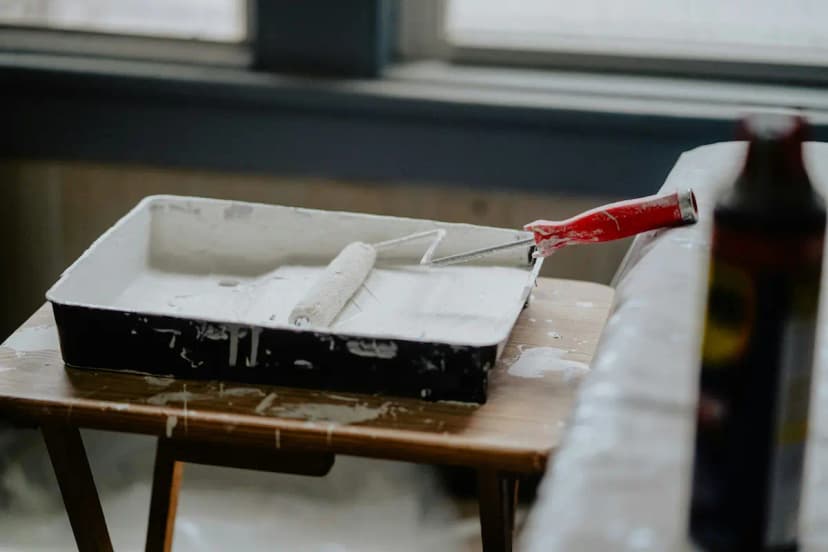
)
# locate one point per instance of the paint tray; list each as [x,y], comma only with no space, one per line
[201,288]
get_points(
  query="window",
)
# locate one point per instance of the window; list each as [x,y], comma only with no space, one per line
[308,36]
[755,38]
[208,20]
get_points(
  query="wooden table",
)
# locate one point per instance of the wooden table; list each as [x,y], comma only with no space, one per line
[300,431]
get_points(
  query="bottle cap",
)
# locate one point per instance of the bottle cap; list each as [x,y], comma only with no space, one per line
[774,126]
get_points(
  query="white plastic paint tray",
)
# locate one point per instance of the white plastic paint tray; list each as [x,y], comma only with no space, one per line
[202,288]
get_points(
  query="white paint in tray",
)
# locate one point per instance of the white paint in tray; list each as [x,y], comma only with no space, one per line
[240,266]
[455,304]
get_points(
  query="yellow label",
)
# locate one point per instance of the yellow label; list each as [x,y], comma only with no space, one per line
[730,313]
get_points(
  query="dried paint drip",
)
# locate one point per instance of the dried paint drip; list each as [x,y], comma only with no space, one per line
[459,403]
[254,347]
[332,413]
[193,363]
[234,346]
[159,382]
[265,403]
[172,333]
[241,392]
[172,421]
[342,397]
[162,399]
[537,362]
[372,348]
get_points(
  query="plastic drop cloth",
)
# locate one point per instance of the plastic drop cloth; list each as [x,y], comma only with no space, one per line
[621,480]
[361,505]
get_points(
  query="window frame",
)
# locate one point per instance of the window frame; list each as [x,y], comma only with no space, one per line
[353,38]
[89,44]
[614,57]
[359,117]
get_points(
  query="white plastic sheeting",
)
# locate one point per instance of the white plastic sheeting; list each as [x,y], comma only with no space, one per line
[361,505]
[621,480]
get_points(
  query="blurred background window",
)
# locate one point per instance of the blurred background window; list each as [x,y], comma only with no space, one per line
[205,20]
[757,30]
[499,108]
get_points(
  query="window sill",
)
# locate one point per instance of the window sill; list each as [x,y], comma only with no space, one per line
[432,122]
[89,45]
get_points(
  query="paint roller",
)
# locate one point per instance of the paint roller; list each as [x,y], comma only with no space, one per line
[346,273]
[601,224]
[343,277]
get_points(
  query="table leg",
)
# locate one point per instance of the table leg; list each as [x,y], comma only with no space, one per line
[166,480]
[80,497]
[171,455]
[497,497]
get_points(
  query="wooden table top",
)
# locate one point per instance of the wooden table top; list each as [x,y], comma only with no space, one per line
[516,430]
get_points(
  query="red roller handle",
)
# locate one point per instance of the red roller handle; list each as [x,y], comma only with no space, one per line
[615,221]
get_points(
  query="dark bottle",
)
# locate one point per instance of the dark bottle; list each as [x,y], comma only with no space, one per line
[757,354]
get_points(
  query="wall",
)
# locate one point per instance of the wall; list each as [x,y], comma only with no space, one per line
[51,211]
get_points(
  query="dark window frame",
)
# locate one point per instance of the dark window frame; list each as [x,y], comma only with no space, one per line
[336,117]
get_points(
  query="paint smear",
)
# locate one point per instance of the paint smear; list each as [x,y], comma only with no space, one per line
[537,362]
[34,338]
[372,348]
[265,404]
[160,382]
[241,392]
[342,398]
[254,347]
[172,421]
[459,403]
[333,413]
[173,334]
[162,399]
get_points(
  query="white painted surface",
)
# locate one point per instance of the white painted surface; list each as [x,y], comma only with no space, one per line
[621,481]
[360,506]
[250,264]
